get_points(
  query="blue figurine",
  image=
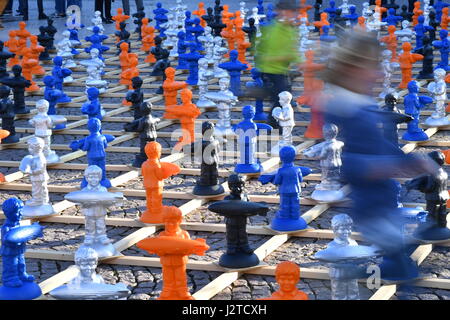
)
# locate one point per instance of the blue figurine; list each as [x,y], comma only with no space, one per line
[391,18]
[325,36]
[413,104]
[188,22]
[59,73]
[182,47]
[95,145]
[438,6]
[288,178]
[420,29]
[192,59]
[444,46]
[96,39]
[257,83]
[74,30]
[234,68]
[197,30]
[247,132]
[271,14]
[93,107]
[352,16]
[160,18]
[260,6]
[17,283]
[52,95]
[331,10]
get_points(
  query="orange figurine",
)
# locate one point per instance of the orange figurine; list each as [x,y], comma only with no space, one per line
[173,246]
[238,21]
[36,50]
[379,8]
[303,11]
[13,46]
[417,12]
[23,33]
[200,12]
[124,56]
[148,36]
[3,135]
[391,42]
[242,47]
[406,60]
[361,23]
[312,89]
[128,74]
[323,21]
[444,18]
[287,274]
[226,15]
[230,35]
[28,64]
[154,172]
[171,87]
[187,112]
[120,17]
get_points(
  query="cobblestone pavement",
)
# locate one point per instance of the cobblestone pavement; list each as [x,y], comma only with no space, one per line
[146,282]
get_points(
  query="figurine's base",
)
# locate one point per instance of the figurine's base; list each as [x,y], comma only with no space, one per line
[208,190]
[279,224]
[251,263]
[248,168]
[327,196]
[398,268]
[41,211]
[416,136]
[268,227]
[205,103]
[28,291]
[437,122]
[52,158]
[238,261]
[103,250]
[60,126]
[11,139]
[91,291]
[433,234]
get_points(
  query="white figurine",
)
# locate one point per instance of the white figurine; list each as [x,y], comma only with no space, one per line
[426,12]
[285,118]
[366,11]
[329,153]
[94,61]
[388,69]
[43,124]
[439,89]
[304,30]
[243,10]
[64,50]
[207,41]
[94,199]
[405,34]
[88,285]
[374,23]
[35,165]
[204,75]
[97,22]
[219,53]
[345,7]
[171,32]
[94,79]
[258,17]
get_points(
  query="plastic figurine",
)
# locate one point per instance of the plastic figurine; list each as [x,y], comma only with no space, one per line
[417,13]
[158,51]
[94,79]
[234,68]
[218,26]
[427,62]
[154,173]
[51,31]
[352,16]
[66,51]
[433,24]
[445,19]
[405,14]
[4,55]
[97,22]
[287,274]
[17,283]
[329,153]
[420,30]
[12,45]
[147,35]
[95,61]
[192,59]
[18,84]
[251,30]
[392,5]
[405,34]
[406,60]
[52,95]
[160,68]
[444,47]
[131,72]
[217,8]
[7,115]
[208,17]
[171,87]
[94,199]
[93,107]
[392,19]
[43,124]
[434,186]
[366,11]
[388,69]
[173,246]
[95,145]
[119,18]
[257,82]
[136,96]
[122,36]
[413,104]
[88,285]
[96,39]
[247,132]
[288,178]
[391,42]
[124,57]
[438,88]
[331,11]
[28,65]
[393,117]
[200,12]
[139,15]
[60,74]
[322,22]
[285,117]
[218,53]
[36,165]
[242,47]
[146,127]
[187,112]
[204,75]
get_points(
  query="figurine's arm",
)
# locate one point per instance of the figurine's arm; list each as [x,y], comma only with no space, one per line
[416,57]
[305,171]
[278,179]
[424,100]
[262,126]
[77,144]
[417,183]
[134,126]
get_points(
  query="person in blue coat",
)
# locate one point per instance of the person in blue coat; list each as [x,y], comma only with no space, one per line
[95,145]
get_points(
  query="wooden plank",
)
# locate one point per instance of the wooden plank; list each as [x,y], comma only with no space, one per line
[135,237]
[59,279]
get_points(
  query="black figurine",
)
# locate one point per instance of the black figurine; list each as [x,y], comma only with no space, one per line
[158,50]
[51,31]
[434,24]
[124,36]
[339,23]
[4,57]
[7,115]
[411,5]
[208,184]
[159,69]
[209,17]
[251,31]
[427,62]
[236,208]
[392,5]
[436,195]
[218,26]
[136,97]
[218,8]
[146,126]
[139,15]
[406,15]
[45,41]
[18,85]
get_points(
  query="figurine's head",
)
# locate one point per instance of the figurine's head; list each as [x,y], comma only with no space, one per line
[186,96]
[287,274]
[207,130]
[390,100]
[17,70]
[124,47]
[170,73]
[285,98]
[136,82]
[58,61]
[404,7]
[287,154]
[201,5]
[66,34]
[94,53]
[94,125]
[352,9]
[181,35]
[224,83]
[251,22]
[159,5]
[421,19]
[96,30]
[378,2]
[35,146]
[443,34]
[225,8]
[22,25]
[237,14]
[416,4]
[203,63]
[444,11]
[342,226]
[93,175]
[405,24]
[146,108]
[361,20]
[413,87]
[92,93]
[330,131]
[97,14]
[119,11]
[158,40]
[86,258]
[324,16]
[365,5]
[406,46]
[236,183]
[439,74]
[153,150]
[391,11]
[218,41]
[256,74]
[188,15]
[42,106]
[12,208]
[209,11]
[438,157]
[144,21]
[217,2]
[4,92]
[233,55]
[248,112]
[391,29]
[50,21]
